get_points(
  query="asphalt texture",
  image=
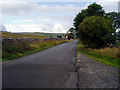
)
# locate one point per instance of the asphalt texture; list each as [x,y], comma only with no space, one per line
[46,69]
[93,74]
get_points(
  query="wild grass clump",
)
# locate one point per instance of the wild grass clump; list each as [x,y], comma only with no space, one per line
[113,52]
[108,56]
[12,50]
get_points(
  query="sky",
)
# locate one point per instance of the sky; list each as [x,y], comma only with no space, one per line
[50,16]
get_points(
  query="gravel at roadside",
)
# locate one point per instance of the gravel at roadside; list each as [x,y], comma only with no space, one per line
[93,74]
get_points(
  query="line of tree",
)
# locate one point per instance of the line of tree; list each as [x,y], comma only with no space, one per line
[94,27]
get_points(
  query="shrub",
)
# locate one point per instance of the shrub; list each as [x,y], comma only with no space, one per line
[96,32]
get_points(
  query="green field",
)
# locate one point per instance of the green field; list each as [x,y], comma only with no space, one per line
[18,35]
[108,56]
[16,49]
[45,34]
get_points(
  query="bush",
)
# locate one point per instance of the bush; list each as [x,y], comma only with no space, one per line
[96,32]
[92,10]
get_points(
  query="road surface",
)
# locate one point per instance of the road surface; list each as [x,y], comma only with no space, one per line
[46,69]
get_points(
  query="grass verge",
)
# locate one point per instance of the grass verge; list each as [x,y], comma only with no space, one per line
[108,56]
[19,49]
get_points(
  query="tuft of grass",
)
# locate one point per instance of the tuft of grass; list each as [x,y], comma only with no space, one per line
[108,56]
[112,52]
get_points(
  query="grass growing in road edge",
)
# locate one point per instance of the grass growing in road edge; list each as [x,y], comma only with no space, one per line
[108,56]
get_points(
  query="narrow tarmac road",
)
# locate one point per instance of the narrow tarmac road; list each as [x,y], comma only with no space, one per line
[47,69]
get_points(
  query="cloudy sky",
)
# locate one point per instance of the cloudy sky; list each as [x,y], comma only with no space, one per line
[51,16]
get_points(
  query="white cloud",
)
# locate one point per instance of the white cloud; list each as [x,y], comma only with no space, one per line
[17,8]
[10,27]
[2,27]
[106,0]
[109,6]
[53,24]
[23,21]
[54,19]
[56,28]
[24,8]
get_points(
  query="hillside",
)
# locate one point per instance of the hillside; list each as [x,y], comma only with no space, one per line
[44,34]
[19,35]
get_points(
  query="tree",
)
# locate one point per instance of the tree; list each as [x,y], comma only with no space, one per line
[78,19]
[59,36]
[95,10]
[92,10]
[115,17]
[71,30]
[117,21]
[95,31]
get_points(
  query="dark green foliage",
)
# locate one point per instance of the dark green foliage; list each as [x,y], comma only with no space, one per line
[70,36]
[92,10]
[115,17]
[71,30]
[95,31]
[59,36]
[95,10]
[98,32]
[14,47]
[78,19]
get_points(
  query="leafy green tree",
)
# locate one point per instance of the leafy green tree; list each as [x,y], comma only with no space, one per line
[92,10]
[95,10]
[71,30]
[117,21]
[115,17]
[78,19]
[96,31]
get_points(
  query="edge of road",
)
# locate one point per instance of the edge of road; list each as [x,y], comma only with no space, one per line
[72,81]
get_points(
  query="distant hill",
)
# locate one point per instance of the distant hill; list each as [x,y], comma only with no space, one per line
[19,35]
[44,34]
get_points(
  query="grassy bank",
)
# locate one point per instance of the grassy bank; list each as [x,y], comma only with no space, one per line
[108,56]
[18,49]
